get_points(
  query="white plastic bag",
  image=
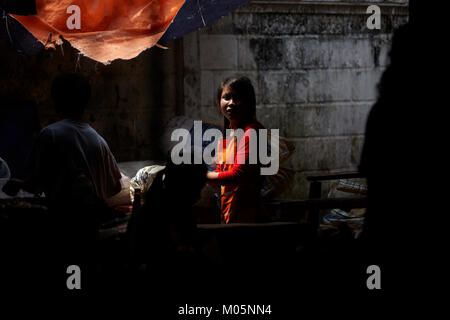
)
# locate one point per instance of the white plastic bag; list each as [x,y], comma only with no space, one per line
[144,179]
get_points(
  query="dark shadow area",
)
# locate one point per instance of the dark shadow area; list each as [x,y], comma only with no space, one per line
[19,127]
[164,254]
[402,157]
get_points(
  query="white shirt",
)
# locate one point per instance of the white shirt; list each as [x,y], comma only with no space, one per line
[67,155]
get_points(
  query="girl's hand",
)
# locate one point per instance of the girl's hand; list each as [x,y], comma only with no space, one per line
[212,175]
[212,178]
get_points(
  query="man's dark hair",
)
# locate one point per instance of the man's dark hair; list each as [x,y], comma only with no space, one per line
[71,93]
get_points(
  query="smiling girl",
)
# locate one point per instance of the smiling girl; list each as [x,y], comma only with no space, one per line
[240,181]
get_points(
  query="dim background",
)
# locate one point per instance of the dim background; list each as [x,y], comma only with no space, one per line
[314,64]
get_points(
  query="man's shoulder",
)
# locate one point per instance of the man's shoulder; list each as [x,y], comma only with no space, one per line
[59,125]
[49,130]
[51,126]
[69,131]
[68,125]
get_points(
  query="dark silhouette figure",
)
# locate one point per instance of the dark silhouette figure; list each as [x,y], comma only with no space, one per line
[402,156]
[73,166]
[162,233]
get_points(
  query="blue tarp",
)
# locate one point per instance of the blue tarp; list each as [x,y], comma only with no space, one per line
[196,14]
[20,39]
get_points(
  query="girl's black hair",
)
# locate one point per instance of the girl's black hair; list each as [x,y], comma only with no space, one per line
[243,90]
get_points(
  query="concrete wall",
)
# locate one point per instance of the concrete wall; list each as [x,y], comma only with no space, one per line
[314,65]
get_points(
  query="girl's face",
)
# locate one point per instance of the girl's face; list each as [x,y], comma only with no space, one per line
[230,106]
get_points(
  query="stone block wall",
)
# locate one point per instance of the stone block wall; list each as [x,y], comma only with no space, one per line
[315,67]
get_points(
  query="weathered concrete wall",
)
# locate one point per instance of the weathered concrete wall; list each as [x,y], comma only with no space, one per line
[315,67]
[131,99]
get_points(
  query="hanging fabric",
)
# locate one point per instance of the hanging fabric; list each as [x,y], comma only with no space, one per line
[103,30]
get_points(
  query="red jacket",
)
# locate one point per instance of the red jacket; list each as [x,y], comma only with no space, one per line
[241,181]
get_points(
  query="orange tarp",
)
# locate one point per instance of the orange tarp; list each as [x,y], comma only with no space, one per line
[109,29]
